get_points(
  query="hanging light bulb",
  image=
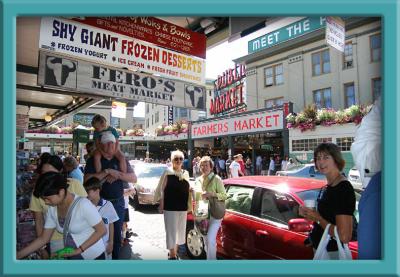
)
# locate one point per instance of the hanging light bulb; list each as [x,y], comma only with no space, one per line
[47,118]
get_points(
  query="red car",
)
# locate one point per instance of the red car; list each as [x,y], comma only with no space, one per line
[262,220]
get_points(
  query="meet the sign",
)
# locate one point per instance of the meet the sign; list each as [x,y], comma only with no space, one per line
[99,80]
[291,31]
[153,30]
[250,123]
[102,46]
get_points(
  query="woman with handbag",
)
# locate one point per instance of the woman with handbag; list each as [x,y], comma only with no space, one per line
[73,216]
[214,191]
[335,204]
[175,201]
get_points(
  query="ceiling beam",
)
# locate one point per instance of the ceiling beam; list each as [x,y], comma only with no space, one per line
[39,105]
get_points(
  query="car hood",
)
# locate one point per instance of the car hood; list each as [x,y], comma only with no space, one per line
[148,182]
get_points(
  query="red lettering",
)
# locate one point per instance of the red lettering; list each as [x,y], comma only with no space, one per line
[267,118]
[259,125]
[252,123]
[226,127]
[237,125]
[276,116]
[244,125]
[203,130]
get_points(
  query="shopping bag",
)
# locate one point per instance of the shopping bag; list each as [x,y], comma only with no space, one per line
[217,208]
[322,253]
[201,216]
[343,249]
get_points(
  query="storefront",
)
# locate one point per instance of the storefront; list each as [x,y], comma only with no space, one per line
[262,132]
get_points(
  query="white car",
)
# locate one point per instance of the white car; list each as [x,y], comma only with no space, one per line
[354,178]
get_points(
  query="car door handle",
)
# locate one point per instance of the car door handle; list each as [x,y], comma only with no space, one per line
[262,233]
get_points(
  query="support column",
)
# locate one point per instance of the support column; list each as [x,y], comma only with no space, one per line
[231,148]
[253,161]
[147,150]
[190,150]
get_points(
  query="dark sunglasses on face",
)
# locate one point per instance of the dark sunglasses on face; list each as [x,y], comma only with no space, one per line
[178,159]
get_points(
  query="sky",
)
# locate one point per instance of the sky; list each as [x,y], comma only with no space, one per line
[219,58]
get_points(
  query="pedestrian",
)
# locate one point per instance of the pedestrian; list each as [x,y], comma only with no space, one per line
[112,189]
[290,164]
[271,167]
[99,123]
[227,166]
[71,168]
[264,166]
[258,165]
[85,228]
[196,167]
[336,202]
[51,163]
[248,167]
[175,201]
[129,191]
[106,211]
[241,163]
[211,187]
[90,147]
[234,168]
[284,163]
[222,167]
[366,150]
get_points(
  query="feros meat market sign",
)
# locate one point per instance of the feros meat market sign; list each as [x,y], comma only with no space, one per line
[98,80]
[229,91]
[249,123]
[102,46]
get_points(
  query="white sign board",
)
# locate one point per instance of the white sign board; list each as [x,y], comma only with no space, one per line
[118,109]
[249,123]
[44,149]
[102,46]
[335,32]
[99,80]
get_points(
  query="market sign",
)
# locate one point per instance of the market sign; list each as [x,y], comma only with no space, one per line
[335,32]
[170,115]
[264,121]
[229,91]
[109,82]
[153,30]
[102,46]
[118,109]
[291,31]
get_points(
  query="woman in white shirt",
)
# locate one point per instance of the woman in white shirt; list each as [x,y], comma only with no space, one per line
[86,227]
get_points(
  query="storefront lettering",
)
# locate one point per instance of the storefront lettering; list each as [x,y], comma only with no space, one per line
[211,129]
[227,101]
[230,76]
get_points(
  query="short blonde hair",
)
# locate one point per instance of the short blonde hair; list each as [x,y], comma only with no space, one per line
[207,159]
[178,154]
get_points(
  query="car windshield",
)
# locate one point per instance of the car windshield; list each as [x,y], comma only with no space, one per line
[296,168]
[313,195]
[150,171]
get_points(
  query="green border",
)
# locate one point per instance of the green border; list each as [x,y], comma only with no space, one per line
[388,9]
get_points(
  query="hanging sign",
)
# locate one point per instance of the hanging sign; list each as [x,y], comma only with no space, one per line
[102,46]
[170,115]
[153,30]
[335,32]
[118,109]
[94,79]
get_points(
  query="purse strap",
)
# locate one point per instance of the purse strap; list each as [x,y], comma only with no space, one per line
[209,182]
[68,218]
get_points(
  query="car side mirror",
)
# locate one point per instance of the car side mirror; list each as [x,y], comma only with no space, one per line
[300,225]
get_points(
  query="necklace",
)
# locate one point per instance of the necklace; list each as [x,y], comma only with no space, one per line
[332,184]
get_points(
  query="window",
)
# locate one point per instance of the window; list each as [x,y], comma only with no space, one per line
[344,143]
[180,113]
[322,98]
[239,199]
[270,103]
[202,115]
[348,56]
[274,75]
[115,122]
[147,108]
[349,95]
[308,144]
[278,207]
[152,119]
[147,123]
[157,119]
[375,45]
[376,88]
[321,63]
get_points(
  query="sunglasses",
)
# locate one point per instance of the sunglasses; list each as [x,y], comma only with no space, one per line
[178,159]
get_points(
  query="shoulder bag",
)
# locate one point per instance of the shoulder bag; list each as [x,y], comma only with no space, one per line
[68,219]
[322,253]
[217,207]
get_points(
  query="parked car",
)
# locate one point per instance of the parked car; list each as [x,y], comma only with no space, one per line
[148,176]
[354,178]
[303,170]
[262,220]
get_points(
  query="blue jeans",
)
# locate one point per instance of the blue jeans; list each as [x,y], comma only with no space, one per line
[119,206]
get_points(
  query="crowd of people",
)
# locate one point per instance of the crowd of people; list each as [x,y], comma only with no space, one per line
[85,212]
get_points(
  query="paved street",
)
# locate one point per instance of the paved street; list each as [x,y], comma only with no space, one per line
[148,241]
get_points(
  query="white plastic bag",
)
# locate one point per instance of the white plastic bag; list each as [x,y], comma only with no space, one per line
[322,253]
[344,250]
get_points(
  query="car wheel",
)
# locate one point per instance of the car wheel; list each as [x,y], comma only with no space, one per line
[135,201]
[194,242]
